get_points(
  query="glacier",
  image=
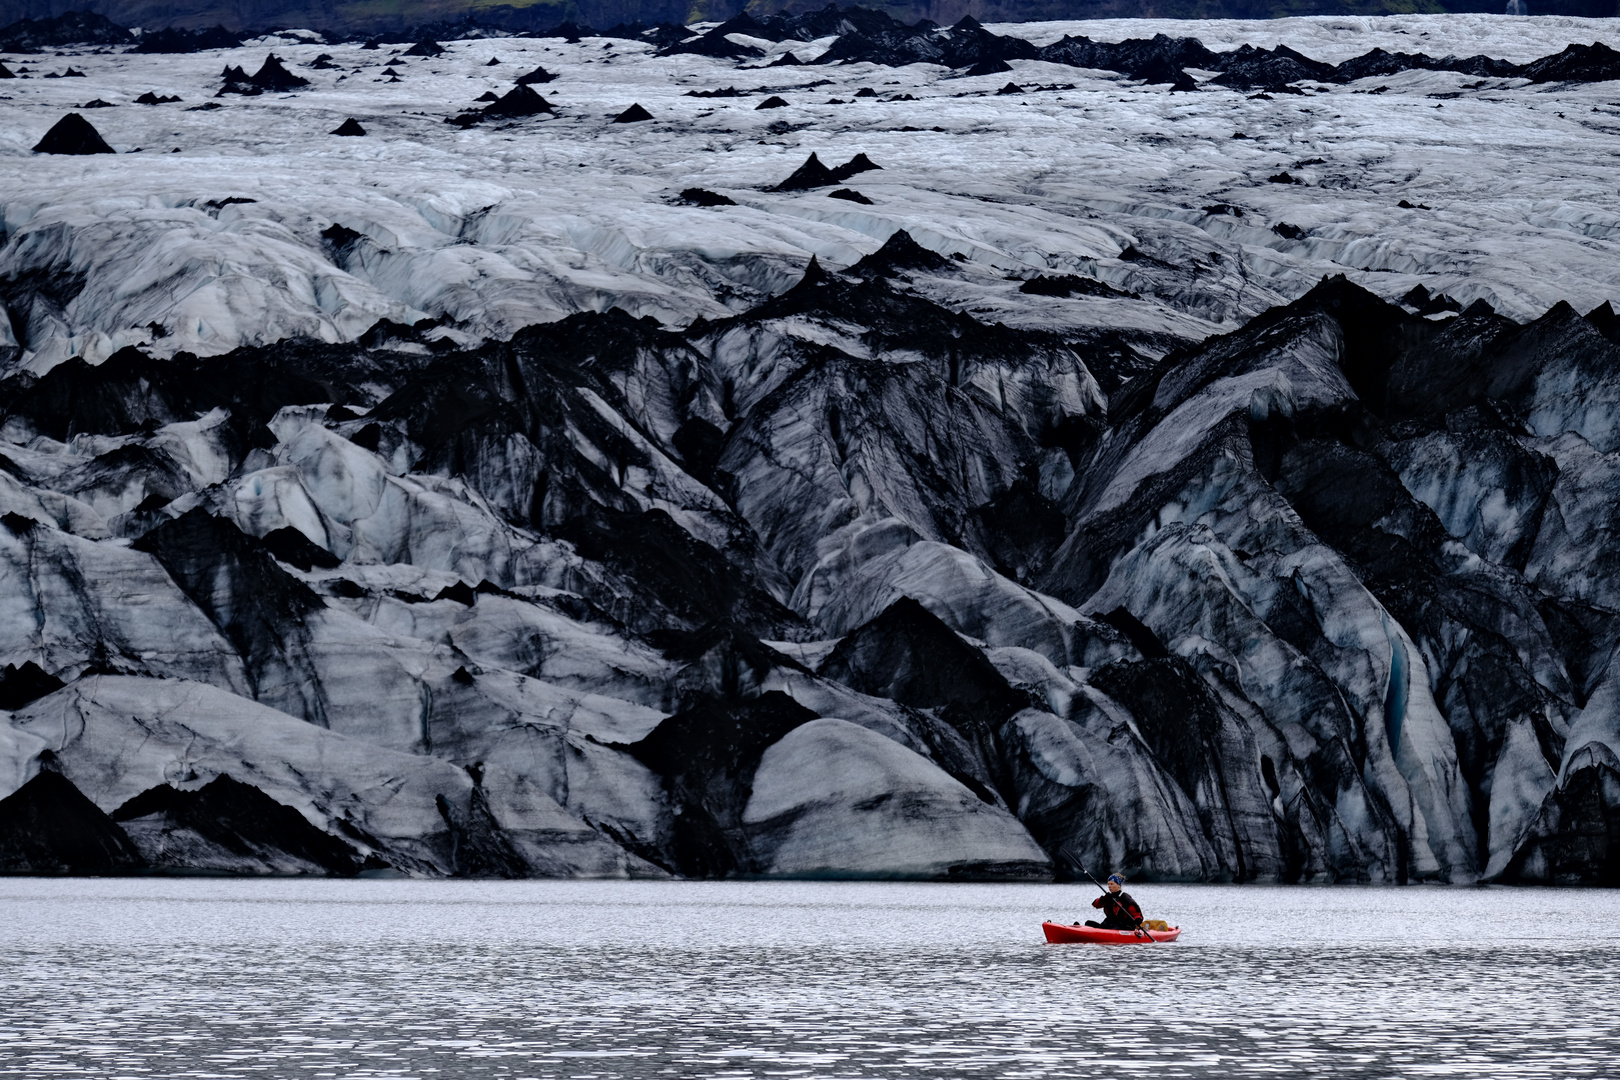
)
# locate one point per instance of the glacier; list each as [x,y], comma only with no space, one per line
[461,499]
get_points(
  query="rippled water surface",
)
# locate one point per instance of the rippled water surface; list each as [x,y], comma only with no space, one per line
[225,978]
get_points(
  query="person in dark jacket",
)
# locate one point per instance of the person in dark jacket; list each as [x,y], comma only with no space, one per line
[1120,912]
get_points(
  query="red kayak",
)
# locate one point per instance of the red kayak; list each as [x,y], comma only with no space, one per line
[1059,934]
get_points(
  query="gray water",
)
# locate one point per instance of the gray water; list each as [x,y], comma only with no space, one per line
[231,978]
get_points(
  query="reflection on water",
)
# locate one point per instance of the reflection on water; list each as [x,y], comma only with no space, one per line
[219,978]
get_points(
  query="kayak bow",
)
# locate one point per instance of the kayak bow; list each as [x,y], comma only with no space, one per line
[1059,934]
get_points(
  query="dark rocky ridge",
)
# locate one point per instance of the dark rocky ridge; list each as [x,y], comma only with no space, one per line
[875,37]
[70,28]
[174,40]
[865,35]
[658,21]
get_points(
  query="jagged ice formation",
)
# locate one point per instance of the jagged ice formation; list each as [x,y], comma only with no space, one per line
[575,504]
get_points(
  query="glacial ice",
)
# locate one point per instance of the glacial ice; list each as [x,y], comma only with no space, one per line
[578,219]
[361,477]
[846,802]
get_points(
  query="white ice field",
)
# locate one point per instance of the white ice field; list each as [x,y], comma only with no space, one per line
[507,224]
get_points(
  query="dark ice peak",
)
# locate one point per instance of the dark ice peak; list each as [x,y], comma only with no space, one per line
[230,826]
[1577,63]
[815,277]
[1377,63]
[21,684]
[714,44]
[460,593]
[809,176]
[48,826]
[815,174]
[272,77]
[536,77]
[1605,321]
[518,102]
[72,134]
[696,196]
[1134,57]
[635,114]
[899,253]
[1420,300]
[425,47]
[853,167]
[350,127]
[989,65]
[1249,68]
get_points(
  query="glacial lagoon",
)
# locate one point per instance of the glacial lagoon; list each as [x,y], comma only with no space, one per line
[210,977]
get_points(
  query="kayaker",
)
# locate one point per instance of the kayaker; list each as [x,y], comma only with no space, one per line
[1120,912]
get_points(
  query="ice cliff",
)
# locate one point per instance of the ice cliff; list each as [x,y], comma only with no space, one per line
[849,584]
[356,527]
